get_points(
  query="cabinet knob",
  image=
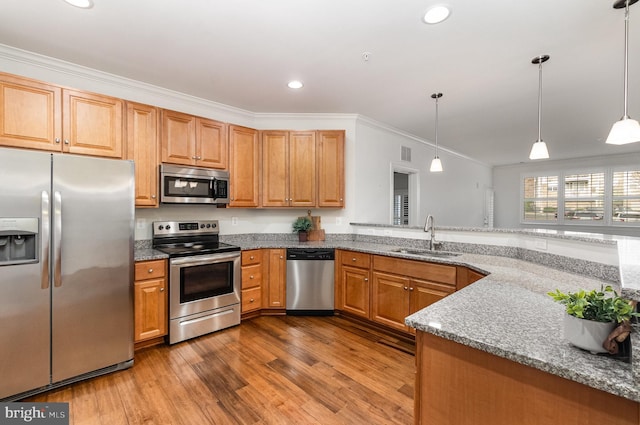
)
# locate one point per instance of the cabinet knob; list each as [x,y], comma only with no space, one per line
[66,141]
[57,140]
[251,277]
[161,289]
[150,270]
[281,257]
[410,289]
[198,157]
[153,196]
[251,300]
[366,279]
[251,257]
[354,259]
[405,288]
[193,157]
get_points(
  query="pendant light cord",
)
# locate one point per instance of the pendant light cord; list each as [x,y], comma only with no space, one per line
[540,101]
[437,126]
[626,58]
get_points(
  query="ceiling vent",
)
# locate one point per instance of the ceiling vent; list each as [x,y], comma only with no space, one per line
[405,154]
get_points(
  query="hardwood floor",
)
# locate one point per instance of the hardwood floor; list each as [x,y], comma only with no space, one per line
[268,370]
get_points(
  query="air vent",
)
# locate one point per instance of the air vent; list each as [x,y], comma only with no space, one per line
[406,154]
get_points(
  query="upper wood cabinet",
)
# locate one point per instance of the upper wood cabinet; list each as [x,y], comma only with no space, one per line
[288,168]
[190,140]
[330,166]
[142,148]
[37,115]
[244,171]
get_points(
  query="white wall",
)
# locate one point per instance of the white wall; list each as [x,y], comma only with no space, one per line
[506,184]
[455,197]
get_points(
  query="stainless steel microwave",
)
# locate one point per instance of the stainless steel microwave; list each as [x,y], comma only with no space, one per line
[193,185]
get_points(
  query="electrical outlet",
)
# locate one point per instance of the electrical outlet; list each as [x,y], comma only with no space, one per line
[540,244]
[141,223]
[234,221]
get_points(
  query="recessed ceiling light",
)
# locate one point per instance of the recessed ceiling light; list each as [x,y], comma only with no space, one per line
[295,84]
[436,14]
[84,4]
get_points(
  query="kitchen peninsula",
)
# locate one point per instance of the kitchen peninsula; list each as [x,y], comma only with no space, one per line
[507,319]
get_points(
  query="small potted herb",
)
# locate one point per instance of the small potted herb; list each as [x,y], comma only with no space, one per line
[592,316]
[302,225]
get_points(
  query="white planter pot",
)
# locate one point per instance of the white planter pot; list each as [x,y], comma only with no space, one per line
[587,334]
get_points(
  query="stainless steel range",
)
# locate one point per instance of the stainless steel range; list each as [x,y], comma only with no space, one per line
[204,278]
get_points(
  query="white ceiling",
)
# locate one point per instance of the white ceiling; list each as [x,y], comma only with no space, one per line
[243,52]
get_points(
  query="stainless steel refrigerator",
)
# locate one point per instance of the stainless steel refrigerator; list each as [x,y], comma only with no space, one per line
[66,257]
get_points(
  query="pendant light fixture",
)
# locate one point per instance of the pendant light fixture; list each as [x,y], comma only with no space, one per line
[436,164]
[539,148]
[626,130]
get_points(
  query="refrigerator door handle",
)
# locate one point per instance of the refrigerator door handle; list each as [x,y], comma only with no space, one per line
[57,239]
[44,235]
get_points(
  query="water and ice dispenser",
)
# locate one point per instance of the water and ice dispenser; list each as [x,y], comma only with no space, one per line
[18,241]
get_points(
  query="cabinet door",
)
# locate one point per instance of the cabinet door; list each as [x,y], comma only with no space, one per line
[92,124]
[30,114]
[150,302]
[244,173]
[302,168]
[142,148]
[275,168]
[330,167]
[178,139]
[274,293]
[390,300]
[355,291]
[211,144]
[424,293]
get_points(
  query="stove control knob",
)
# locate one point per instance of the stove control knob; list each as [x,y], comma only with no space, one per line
[208,226]
[202,226]
[214,225]
[168,227]
[160,227]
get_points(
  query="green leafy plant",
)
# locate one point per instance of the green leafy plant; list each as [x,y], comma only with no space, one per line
[302,224]
[604,305]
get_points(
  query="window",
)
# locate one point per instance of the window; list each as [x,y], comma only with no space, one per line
[540,198]
[625,205]
[603,197]
[584,196]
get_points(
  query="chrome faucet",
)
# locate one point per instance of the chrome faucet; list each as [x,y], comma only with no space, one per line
[429,227]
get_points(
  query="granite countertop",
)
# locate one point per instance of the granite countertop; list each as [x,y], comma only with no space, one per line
[507,313]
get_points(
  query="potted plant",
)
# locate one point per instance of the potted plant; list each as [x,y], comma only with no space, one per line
[302,225]
[592,316]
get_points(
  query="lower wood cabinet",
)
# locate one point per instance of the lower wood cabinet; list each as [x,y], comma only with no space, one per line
[353,287]
[274,294]
[252,278]
[150,300]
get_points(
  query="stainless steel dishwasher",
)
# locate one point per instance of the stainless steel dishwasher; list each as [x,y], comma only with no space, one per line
[310,281]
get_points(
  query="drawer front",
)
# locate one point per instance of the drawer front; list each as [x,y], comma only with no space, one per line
[252,256]
[251,299]
[251,276]
[422,270]
[355,259]
[150,269]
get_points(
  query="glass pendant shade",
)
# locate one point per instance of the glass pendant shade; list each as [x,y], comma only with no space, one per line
[436,165]
[539,150]
[625,131]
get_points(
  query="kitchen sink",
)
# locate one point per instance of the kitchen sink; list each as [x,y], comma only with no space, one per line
[426,252]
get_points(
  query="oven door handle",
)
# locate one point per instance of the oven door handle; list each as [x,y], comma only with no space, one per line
[198,260]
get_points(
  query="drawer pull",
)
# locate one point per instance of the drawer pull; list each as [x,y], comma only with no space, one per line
[251,277]
[150,270]
[353,259]
[251,300]
[251,258]
[405,288]
[161,289]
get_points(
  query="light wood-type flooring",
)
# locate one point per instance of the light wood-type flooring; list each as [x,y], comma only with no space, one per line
[268,370]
